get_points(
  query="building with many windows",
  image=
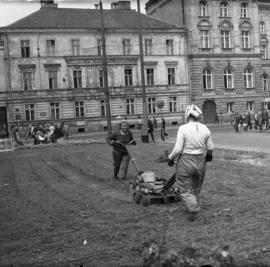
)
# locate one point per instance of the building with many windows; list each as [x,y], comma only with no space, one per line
[228,51]
[54,72]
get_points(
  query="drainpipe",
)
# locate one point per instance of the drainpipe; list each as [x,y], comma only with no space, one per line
[10,106]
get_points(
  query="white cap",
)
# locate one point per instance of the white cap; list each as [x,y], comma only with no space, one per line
[194,111]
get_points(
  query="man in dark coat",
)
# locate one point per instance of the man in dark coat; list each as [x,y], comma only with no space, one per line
[118,140]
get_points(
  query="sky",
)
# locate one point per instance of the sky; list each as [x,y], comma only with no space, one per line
[13,10]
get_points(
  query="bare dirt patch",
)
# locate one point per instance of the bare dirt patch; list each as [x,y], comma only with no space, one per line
[61,207]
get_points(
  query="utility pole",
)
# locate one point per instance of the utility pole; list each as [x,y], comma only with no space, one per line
[105,71]
[144,133]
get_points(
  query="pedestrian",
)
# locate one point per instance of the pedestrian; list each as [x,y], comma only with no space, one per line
[151,129]
[139,122]
[249,123]
[237,122]
[265,118]
[15,135]
[216,118]
[193,148]
[220,118]
[163,129]
[65,130]
[155,122]
[119,139]
[260,119]
[256,121]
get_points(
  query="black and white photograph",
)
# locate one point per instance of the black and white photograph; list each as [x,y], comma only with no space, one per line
[134,133]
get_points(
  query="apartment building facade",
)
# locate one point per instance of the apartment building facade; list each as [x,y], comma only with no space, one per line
[227,72]
[54,67]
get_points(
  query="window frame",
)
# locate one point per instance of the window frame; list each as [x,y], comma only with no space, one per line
[262,27]
[245,36]
[126,45]
[171,75]
[55,110]
[29,112]
[206,75]
[25,48]
[130,106]
[205,39]
[244,10]
[27,79]
[148,45]
[224,10]
[77,79]
[151,105]
[79,109]
[169,47]
[264,52]
[203,9]
[230,106]
[172,104]
[250,105]
[228,79]
[128,75]
[50,47]
[75,47]
[248,78]
[52,79]
[103,108]
[225,39]
[150,77]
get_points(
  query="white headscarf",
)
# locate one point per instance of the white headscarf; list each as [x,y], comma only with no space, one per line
[194,111]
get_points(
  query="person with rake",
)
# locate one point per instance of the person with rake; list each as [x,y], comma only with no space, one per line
[193,148]
[118,140]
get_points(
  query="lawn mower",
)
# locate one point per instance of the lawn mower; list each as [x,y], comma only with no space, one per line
[148,188]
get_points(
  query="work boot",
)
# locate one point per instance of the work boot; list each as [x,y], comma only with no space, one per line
[194,216]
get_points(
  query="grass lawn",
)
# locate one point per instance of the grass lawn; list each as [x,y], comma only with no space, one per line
[61,207]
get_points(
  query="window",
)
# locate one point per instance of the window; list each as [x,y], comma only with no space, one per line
[130,106]
[25,48]
[248,78]
[228,79]
[148,47]
[171,76]
[50,47]
[245,40]
[55,110]
[152,105]
[207,79]
[265,82]
[99,47]
[262,28]
[27,77]
[225,39]
[203,9]
[244,10]
[150,76]
[75,47]
[128,77]
[126,47]
[52,75]
[169,47]
[172,104]
[79,109]
[263,52]
[205,39]
[77,79]
[101,78]
[230,106]
[224,10]
[29,112]
[103,108]
[250,106]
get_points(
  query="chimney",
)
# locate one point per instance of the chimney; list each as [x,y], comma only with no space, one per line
[48,3]
[123,5]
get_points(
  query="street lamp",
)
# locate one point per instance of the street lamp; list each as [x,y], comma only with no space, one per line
[144,134]
[105,69]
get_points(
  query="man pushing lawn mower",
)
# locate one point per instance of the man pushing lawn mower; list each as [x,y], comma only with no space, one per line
[193,148]
[119,140]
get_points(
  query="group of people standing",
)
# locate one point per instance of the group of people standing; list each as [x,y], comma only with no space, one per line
[260,120]
[41,133]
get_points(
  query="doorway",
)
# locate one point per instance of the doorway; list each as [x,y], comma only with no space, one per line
[3,122]
[209,111]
